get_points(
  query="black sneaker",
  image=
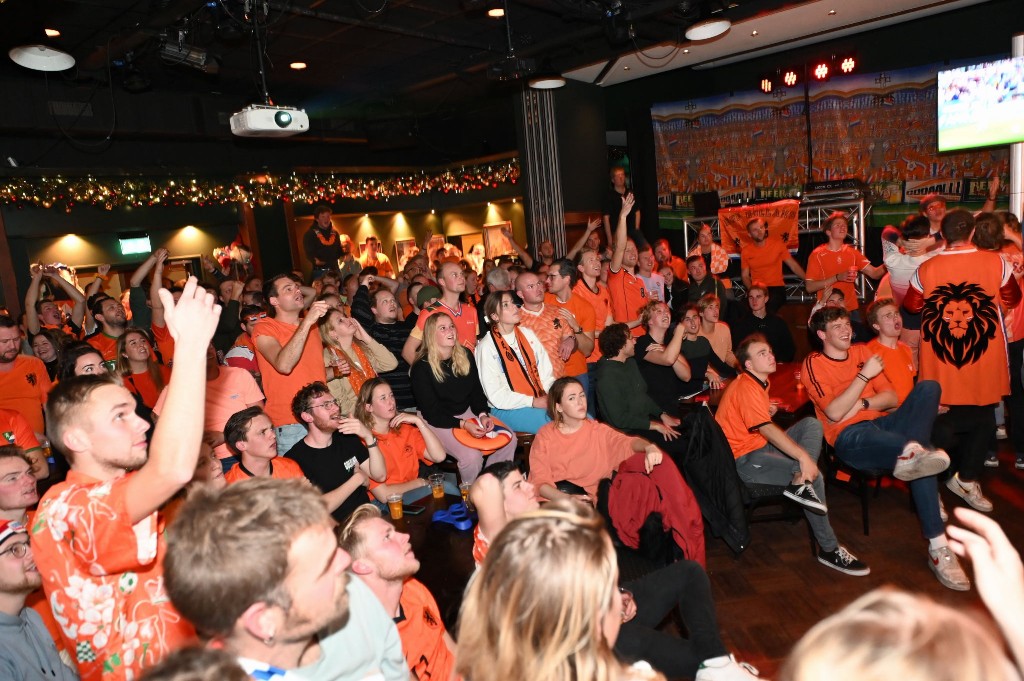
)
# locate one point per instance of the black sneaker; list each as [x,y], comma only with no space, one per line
[844,561]
[805,496]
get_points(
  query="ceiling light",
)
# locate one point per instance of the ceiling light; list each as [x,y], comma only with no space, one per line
[496,12]
[625,68]
[297,65]
[686,51]
[753,34]
[51,32]
[831,12]
[41,58]
[708,29]
[546,78]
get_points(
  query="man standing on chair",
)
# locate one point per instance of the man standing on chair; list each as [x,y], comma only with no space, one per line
[856,404]
[766,454]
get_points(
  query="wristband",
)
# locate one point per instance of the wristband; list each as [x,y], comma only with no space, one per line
[372,443]
[863,378]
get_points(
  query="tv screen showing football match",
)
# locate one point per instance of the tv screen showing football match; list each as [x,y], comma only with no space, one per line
[981,105]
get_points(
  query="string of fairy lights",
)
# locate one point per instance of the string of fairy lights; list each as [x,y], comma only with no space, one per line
[262,189]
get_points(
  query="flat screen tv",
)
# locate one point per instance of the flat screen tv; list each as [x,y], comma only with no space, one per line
[981,105]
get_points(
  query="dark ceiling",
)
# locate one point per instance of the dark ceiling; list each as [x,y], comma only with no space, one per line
[367,59]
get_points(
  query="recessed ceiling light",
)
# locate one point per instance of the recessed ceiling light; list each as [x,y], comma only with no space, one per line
[297,65]
[753,34]
[496,12]
[625,68]
[686,51]
[51,32]
[831,12]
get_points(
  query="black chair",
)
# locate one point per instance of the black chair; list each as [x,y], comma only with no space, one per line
[859,482]
[758,496]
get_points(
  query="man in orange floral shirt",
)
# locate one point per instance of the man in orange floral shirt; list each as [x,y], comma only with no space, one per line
[98,537]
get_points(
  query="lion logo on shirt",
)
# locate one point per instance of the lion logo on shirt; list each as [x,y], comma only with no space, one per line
[959,320]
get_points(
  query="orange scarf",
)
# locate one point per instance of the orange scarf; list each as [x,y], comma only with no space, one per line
[522,374]
[358,376]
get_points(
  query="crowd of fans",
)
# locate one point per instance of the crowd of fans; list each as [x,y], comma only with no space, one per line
[254,524]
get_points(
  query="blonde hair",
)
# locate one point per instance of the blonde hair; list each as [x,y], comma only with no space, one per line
[890,634]
[534,611]
[432,354]
[321,326]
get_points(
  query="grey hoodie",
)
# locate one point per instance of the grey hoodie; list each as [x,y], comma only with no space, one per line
[27,652]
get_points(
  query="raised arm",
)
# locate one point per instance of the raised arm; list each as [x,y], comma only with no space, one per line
[72,292]
[575,250]
[178,435]
[156,285]
[31,298]
[619,244]
[990,198]
[523,254]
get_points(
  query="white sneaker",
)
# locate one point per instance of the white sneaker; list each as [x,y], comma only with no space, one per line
[716,669]
[946,567]
[969,492]
[917,461]
[1000,432]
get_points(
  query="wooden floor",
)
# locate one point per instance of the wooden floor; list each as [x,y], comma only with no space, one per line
[772,593]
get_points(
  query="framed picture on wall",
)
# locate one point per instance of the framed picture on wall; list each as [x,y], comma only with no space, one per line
[495,243]
[405,249]
[437,241]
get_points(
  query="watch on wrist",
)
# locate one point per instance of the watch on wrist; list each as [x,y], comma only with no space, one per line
[864,402]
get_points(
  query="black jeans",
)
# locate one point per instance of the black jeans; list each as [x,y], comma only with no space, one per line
[967,438]
[683,585]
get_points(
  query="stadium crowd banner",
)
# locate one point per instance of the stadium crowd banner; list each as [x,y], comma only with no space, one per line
[782,217]
[876,127]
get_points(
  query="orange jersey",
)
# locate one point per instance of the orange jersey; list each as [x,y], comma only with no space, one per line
[106,346]
[280,469]
[145,387]
[422,633]
[824,264]
[963,345]
[765,262]
[480,546]
[585,316]
[826,378]
[550,327]
[628,295]
[899,366]
[402,452]
[104,578]
[601,301]
[17,431]
[742,412]
[281,388]
[466,325]
[23,388]
[164,343]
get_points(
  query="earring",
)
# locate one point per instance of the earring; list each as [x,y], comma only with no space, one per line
[269,640]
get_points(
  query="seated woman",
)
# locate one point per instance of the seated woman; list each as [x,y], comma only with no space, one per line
[553,573]
[46,345]
[351,357]
[705,365]
[447,389]
[514,367]
[404,440]
[716,332]
[579,450]
[659,358]
[143,375]
[622,393]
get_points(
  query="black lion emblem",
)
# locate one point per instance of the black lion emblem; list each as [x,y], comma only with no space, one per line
[959,320]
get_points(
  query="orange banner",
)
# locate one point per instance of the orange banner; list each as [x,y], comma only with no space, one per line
[782,218]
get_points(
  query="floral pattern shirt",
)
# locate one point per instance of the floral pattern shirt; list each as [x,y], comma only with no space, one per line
[103,578]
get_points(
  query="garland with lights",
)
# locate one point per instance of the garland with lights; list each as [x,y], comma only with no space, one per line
[259,189]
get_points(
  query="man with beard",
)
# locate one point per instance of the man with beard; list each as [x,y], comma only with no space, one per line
[256,567]
[963,344]
[383,558]
[762,260]
[321,242]
[24,382]
[332,455]
[111,321]
[452,280]
[98,536]
[27,650]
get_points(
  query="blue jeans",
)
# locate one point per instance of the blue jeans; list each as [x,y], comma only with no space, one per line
[591,387]
[525,420]
[877,443]
[769,466]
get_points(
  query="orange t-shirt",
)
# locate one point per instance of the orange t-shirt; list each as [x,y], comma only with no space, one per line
[143,385]
[422,633]
[402,453]
[24,387]
[164,343]
[281,388]
[585,315]
[280,469]
[584,457]
[480,546]
[17,431]
[824,263]
[106,346]
[466,325]
[961,288]
[742,412]
[601,301]
[551,328]
[628,295]
[765,262]
[104,578]
[899,366]
[826,378]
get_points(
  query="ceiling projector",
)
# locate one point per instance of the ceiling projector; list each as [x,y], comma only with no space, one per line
[259,120]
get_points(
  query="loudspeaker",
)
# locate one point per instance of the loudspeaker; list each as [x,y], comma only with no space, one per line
[706,204]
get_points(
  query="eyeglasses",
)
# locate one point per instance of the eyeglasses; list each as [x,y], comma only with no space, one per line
[19,550]
[256,317]
[330,405]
